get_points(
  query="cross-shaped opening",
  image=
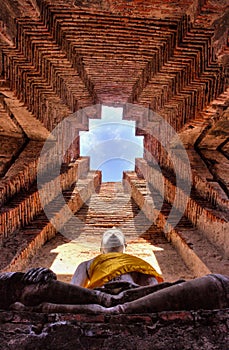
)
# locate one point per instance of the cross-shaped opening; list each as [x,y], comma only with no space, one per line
[111,144]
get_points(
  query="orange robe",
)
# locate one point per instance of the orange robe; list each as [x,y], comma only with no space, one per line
[105,267]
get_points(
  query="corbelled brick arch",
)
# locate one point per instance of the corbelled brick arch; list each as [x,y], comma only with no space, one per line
[171,57]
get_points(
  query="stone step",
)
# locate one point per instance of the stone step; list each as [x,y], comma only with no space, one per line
[109,207]
[22,173]
[198,253]
[26,204]
[23,243]
[210,220]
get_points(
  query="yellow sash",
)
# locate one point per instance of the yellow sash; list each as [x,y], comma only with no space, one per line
[105,267]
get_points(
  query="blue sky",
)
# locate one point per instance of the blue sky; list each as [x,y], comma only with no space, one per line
[111,144]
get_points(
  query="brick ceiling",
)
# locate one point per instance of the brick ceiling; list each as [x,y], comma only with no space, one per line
[147,52]
[57,57]
[172,56]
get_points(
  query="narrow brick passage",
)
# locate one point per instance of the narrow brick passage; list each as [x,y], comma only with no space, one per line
[111,206]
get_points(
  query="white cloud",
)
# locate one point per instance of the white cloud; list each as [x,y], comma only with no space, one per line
[88,140]
[111,141]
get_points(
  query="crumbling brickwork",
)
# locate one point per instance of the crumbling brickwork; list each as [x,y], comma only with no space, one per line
[171,57]
[172,330]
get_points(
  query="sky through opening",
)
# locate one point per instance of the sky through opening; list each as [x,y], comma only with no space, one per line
[111,144]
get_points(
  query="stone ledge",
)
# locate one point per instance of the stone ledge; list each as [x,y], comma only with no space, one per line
[172,330]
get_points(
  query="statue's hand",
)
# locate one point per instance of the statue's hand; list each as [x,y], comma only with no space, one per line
[39,275]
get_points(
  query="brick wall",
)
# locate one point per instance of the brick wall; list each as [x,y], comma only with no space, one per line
[178,330]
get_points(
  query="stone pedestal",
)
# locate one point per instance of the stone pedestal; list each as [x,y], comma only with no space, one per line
[166,330]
